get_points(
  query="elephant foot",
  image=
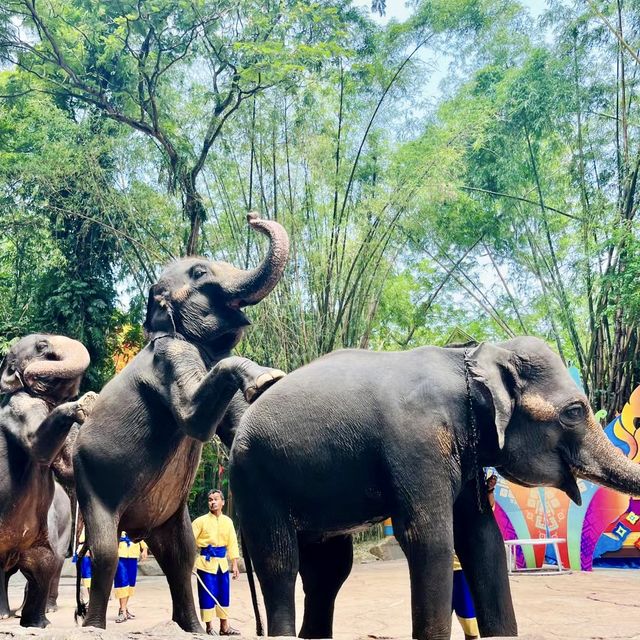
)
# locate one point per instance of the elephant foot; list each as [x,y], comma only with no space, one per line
[84,406]
[190,624]
[39,622]
[52,607]
[262,382]
[94,622]
[4,616]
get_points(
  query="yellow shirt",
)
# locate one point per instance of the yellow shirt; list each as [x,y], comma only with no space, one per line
[131,550]
[217,532]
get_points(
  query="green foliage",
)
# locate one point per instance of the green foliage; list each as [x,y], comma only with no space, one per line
[56,270]
[507,206]
[212,474]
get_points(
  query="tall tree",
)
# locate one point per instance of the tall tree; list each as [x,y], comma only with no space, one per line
[149,64]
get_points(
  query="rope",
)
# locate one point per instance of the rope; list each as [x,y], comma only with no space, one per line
[474,435]
[75,530]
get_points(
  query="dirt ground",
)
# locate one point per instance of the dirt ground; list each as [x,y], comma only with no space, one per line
[375,601]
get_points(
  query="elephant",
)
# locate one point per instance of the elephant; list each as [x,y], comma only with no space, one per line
[135,459]
[358,436]
[59,534]
[40,376]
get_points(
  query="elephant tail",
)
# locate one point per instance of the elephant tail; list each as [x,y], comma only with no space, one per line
[81,605]
[252,587]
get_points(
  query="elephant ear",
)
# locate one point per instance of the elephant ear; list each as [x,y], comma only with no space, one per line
[158,318]
[494,372]
[10,379]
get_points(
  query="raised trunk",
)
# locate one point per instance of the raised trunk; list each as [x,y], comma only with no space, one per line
[71,360]
[245,288]
[603,463]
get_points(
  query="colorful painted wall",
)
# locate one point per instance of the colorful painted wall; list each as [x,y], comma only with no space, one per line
[607,524]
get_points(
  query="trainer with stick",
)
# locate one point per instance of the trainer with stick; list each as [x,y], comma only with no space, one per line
[216,540]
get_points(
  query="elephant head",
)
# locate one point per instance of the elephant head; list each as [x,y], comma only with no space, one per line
[542,429]
[45,365]
[202,300]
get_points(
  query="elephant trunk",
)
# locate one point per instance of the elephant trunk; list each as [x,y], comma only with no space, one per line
[70,360]
[601,462]
[245,288]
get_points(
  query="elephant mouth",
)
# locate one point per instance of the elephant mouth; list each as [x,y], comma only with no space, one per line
[226,341]
[567,483]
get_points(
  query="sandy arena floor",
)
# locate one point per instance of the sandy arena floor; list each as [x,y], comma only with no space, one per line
[375,600]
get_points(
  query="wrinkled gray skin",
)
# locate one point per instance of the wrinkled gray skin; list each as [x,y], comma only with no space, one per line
[41,373]
[137,456]
[356,437]
[59,533]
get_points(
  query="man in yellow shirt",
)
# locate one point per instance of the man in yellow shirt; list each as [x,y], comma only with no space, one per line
[125,580]
[216,540]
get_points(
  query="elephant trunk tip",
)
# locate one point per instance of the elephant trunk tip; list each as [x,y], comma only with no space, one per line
[250,287]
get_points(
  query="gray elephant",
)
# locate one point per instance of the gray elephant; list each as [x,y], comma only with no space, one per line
[356,437]
[59,534]
[136,457]
[41,374]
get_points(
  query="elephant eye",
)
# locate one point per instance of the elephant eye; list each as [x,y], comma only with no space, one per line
[573,414]
[41,346]
[197,272]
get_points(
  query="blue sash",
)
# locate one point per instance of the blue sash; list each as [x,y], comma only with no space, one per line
[126,538]
[213,552]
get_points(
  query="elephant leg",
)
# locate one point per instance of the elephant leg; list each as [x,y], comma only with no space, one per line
[273,546]
[324,566]
[102,539]
[18,611]
[426,537]
[480,548]
[173,547]
[5,611]
[52,599]
[38,565]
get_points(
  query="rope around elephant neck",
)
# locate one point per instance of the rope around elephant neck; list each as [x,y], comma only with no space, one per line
[474,437]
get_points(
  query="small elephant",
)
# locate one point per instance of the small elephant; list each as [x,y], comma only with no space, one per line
[136,457]
[59,534]
[41,373]
[356,437]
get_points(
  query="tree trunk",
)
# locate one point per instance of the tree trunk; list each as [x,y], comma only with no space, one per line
[194,211]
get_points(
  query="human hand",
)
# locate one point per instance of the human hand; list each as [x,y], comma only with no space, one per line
[234,569]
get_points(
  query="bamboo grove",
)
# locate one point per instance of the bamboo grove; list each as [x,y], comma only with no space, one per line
[470,170]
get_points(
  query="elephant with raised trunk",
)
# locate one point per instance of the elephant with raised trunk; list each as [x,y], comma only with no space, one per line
[136,458]
[356,437]
[41,374]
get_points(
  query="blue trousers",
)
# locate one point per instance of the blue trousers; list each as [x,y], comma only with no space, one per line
[462,604]
[125,579]
[218,585]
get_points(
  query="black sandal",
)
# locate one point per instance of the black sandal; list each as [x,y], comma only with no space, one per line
[230,631]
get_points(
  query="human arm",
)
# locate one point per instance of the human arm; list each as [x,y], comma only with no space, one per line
[491,486]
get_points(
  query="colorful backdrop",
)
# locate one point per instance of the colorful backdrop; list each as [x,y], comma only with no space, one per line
[606,527]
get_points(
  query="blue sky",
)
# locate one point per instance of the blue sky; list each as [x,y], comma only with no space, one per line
[398,9]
